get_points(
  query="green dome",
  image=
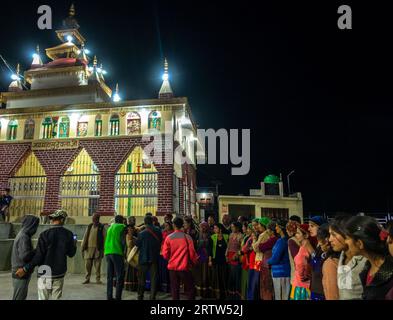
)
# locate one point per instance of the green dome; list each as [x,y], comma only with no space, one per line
[271,178]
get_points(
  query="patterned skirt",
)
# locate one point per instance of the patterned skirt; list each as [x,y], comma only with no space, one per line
[266,283]
[131,278]
[299,293]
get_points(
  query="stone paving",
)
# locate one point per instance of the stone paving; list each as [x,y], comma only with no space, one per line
[73,289]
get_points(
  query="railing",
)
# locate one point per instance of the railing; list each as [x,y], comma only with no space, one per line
[28,194]
[136,193]
[80,185]
[80,193]
[128,185]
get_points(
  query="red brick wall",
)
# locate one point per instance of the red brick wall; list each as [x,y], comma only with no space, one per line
[11,157]
[188,180]
[107,154]
[55,163]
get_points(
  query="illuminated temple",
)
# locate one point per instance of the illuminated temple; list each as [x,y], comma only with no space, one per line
[67,141]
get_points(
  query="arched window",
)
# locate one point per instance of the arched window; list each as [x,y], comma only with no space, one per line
[155,120]
[29,129]
[83,124]
[133,123]
[98,126]
[12,130]
[64,127]
[114,125]
[47,126]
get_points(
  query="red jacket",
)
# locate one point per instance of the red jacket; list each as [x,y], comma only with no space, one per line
[180,256]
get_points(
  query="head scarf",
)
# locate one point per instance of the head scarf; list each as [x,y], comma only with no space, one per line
[264,221]
[318,220]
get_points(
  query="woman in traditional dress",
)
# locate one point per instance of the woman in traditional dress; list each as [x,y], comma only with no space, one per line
[247,230]
[233,257]
[300,289]
[266,288]
[217,262]
[202,267]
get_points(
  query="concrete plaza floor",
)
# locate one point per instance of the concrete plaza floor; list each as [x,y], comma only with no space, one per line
[73,289]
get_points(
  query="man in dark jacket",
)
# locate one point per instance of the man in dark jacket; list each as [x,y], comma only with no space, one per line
[22,253]
[93,248]
[53,247]
[149,244]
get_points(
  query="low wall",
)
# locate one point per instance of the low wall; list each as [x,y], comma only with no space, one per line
[74,265]
[5,254]
[5,230]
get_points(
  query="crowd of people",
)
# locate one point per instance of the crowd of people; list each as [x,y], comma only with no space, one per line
[347,258]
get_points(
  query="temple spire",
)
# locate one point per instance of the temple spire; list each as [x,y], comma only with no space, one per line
[166,90]
[82,54]
[94,76]
[72,10]
[116,97]
[37,61]
[16,84]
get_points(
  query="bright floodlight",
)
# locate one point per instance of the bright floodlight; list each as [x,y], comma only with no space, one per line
[165,77]
[87,51]
[35,55]
[14,77]
[69,38]
[104,72]
[99,70]
[91,68]
[116,97]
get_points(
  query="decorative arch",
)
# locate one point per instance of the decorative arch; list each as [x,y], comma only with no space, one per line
[154,121]
[12,130]
[29,129]
[47,128]
[114,125]
[133,123]
[98,126]
[136,185]
[82,126]
[80,186]
[64,127]
[28,185]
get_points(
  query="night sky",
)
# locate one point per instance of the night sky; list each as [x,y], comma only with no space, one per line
[317,99]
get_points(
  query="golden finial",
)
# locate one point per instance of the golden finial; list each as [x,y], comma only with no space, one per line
[95,61]
[17,69]
[38,49]
[166,66]
[72,10]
